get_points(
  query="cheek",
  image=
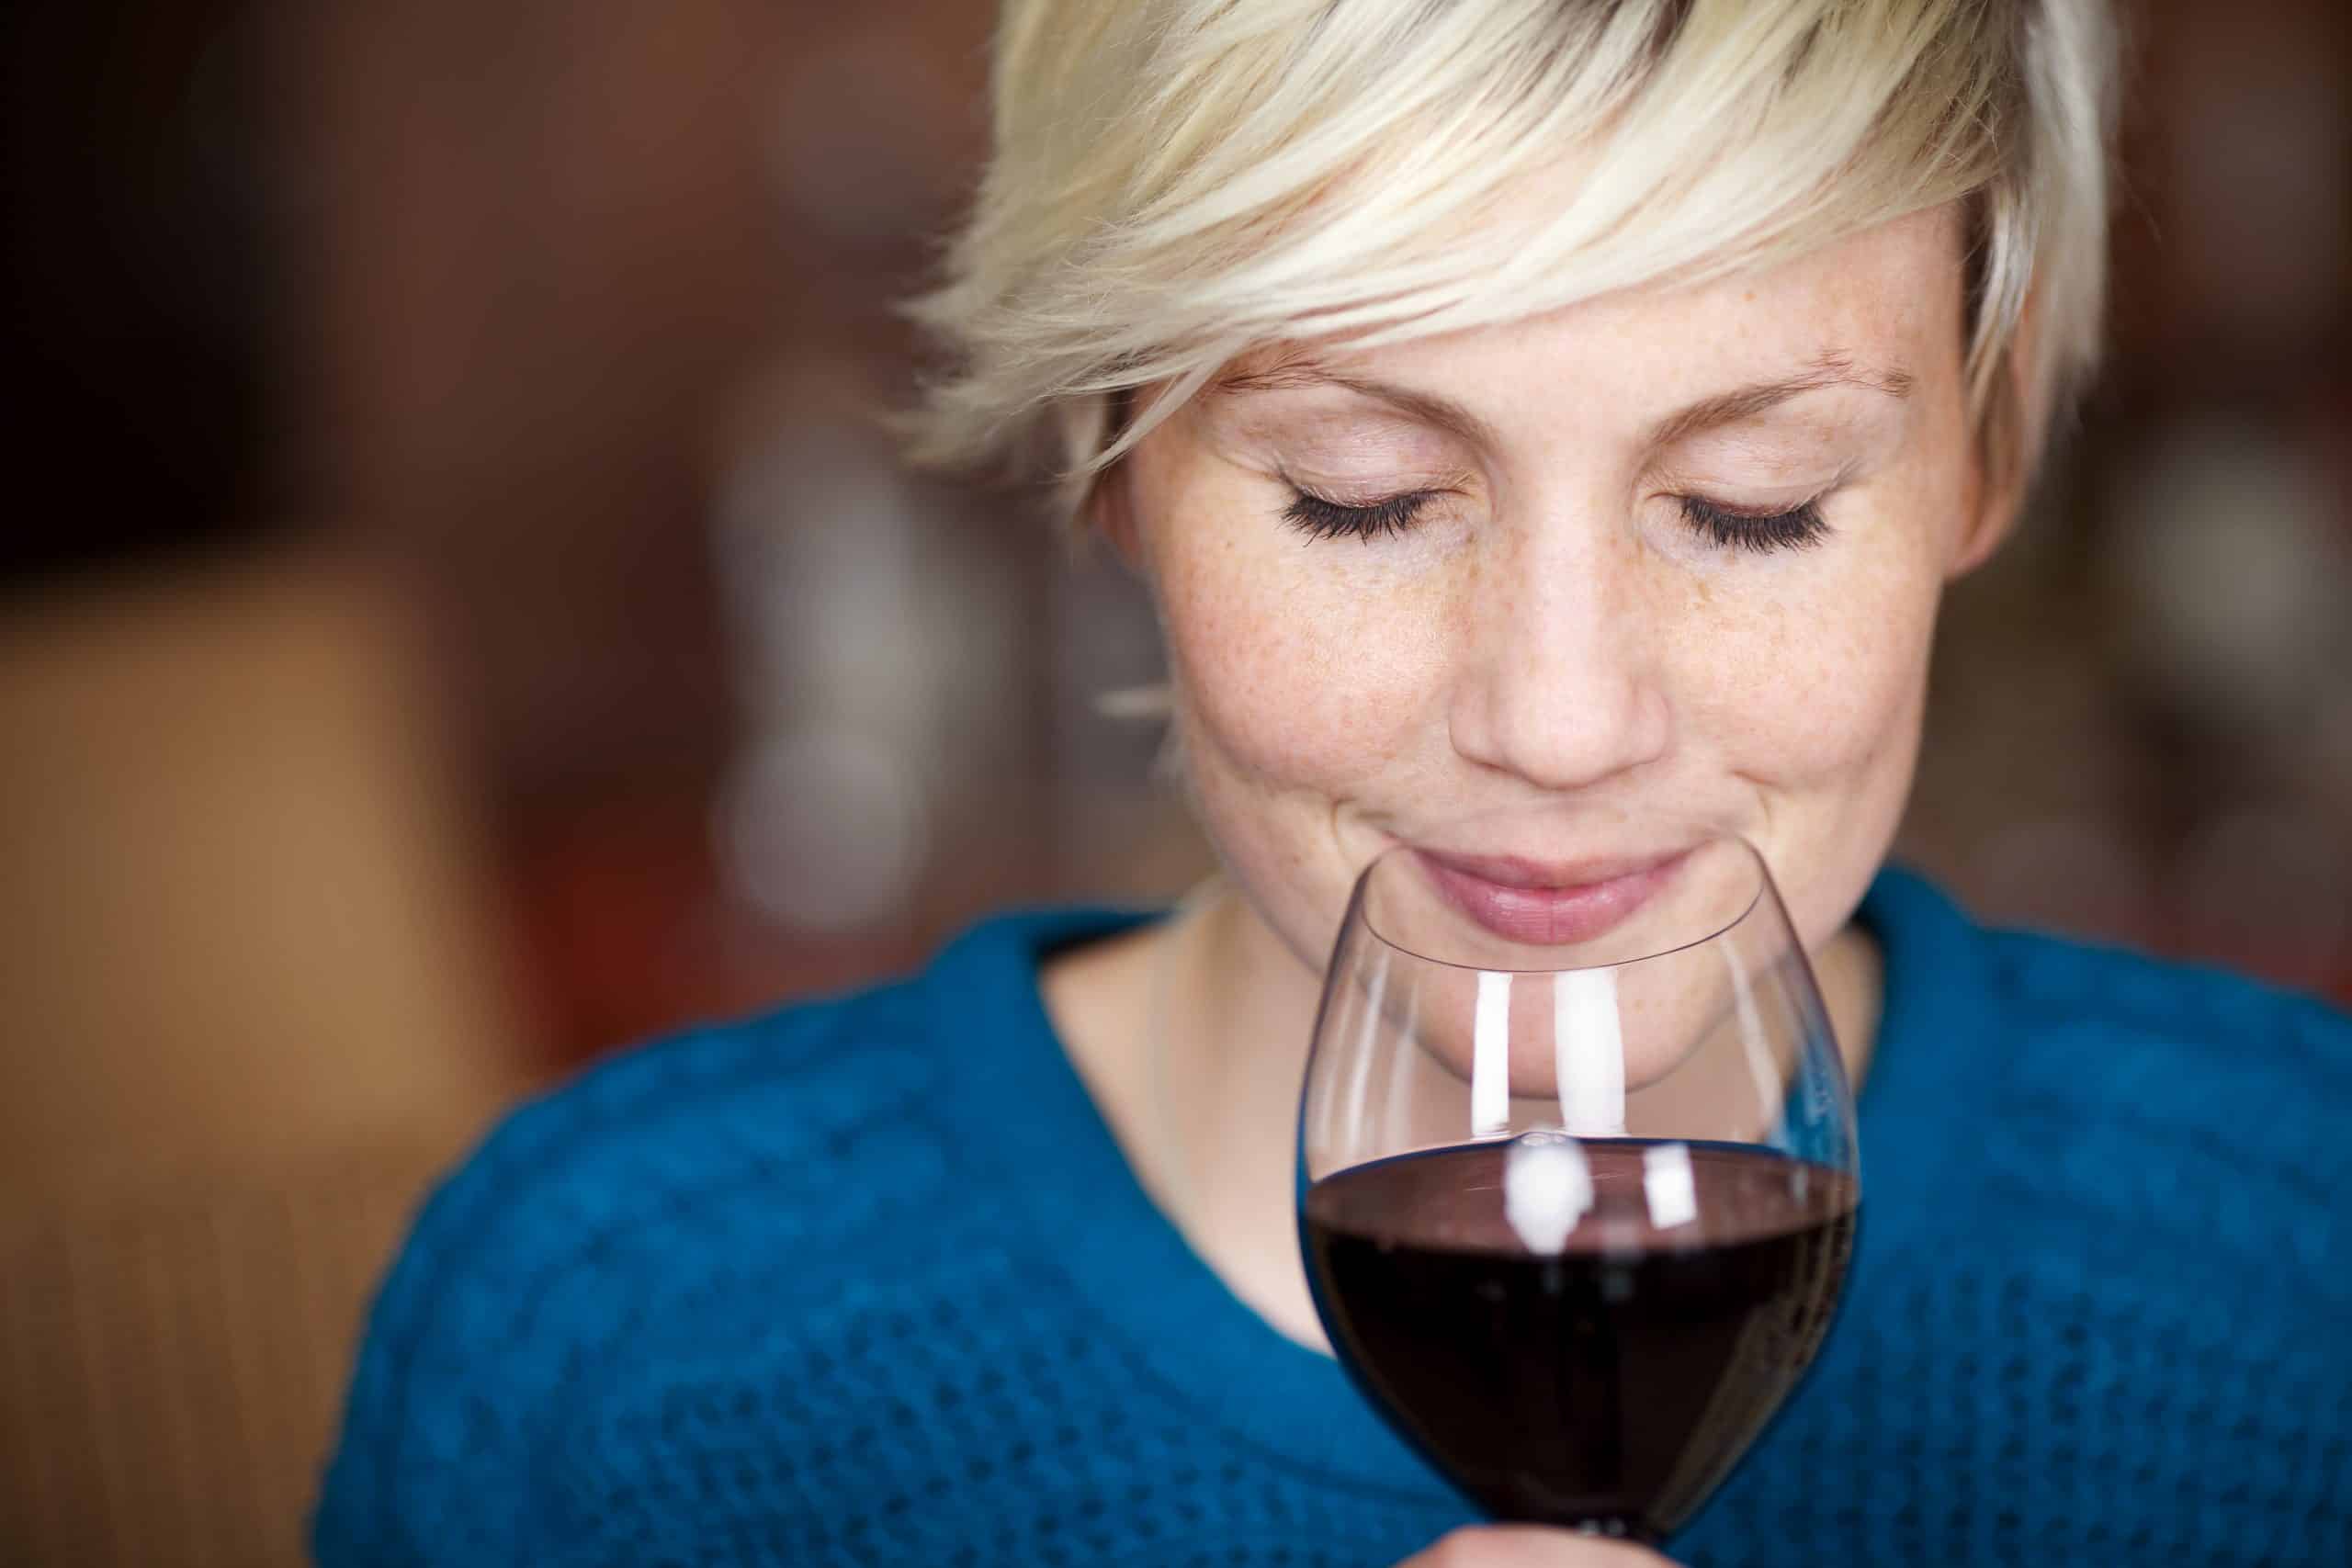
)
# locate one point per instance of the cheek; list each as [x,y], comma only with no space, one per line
[1821,712]
[1824,689]
[1299,686]
[1816,687]
[1295,670]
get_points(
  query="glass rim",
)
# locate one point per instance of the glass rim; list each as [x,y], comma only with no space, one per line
[1707,832]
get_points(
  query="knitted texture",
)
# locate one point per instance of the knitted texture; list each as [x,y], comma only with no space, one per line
[868,1281]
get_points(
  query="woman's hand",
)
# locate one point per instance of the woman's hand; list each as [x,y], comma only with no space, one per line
[1529,1546]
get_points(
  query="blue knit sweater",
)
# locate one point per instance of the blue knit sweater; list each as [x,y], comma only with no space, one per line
[868,1281]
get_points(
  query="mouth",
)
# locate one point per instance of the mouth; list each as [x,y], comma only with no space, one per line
[1548,905]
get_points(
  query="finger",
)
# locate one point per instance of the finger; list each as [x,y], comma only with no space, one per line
[1530,1546]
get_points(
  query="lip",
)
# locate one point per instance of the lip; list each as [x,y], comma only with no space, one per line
[1548,905]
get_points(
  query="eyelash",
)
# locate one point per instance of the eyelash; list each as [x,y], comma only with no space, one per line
[1324,519]
[1798,528]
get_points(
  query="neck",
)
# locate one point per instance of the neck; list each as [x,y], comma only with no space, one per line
[1241,1008]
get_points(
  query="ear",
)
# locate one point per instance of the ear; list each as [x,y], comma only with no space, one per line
[1107,505]
[2007,448]
[1108,509]
[1995,496]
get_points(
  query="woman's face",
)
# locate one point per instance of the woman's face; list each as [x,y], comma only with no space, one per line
[1673,551]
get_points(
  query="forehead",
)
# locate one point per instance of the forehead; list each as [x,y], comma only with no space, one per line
[1887,299]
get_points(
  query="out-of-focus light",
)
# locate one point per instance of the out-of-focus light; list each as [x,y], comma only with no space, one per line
[855,600]
[818,556]
[824,830]
[2226,550]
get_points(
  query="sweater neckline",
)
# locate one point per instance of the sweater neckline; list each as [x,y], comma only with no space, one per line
[1137,1279]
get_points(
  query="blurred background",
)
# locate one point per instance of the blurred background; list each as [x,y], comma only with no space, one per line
[459,617]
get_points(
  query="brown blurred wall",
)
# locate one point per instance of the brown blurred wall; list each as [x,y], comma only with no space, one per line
[431,662]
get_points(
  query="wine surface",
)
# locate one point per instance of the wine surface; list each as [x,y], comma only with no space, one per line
[1611,1384]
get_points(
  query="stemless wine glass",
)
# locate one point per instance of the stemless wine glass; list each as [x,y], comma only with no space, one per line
[1578,1177]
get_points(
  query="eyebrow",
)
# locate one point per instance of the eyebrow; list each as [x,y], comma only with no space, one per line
[1830,369]
[1291,373]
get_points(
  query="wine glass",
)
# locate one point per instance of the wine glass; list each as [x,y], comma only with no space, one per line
[1578,1180]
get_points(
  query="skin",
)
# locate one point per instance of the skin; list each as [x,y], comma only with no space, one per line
[1550,624]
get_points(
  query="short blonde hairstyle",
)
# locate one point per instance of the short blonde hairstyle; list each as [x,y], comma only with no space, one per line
[1175,183]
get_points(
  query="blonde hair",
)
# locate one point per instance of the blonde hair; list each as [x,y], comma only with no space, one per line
[1174,182]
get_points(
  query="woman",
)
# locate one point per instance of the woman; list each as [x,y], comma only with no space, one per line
[1506,402]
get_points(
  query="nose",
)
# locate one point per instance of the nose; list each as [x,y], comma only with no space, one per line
[1561,686]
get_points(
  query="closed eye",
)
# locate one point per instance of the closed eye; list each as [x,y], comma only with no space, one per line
[1798,528]
[1321,518]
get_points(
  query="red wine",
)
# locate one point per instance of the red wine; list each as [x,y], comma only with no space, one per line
[1611,1384]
